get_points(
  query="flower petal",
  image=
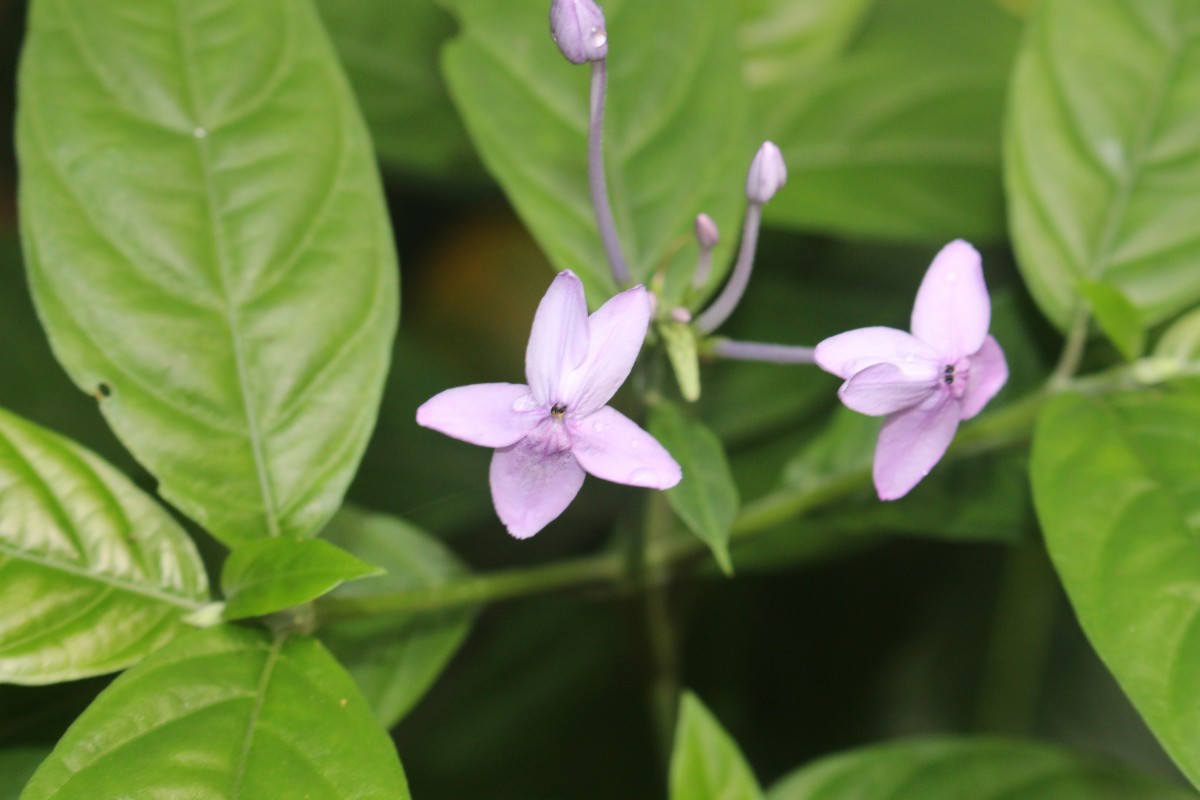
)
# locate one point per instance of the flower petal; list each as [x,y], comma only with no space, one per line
[617,331]
[911,442]
[952,311]
[989,372]
[611,446]
[531,487]
[487,414]
[884,389]
[853,351]
[558,342]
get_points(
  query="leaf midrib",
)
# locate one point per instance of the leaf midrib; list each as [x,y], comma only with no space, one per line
[253,429]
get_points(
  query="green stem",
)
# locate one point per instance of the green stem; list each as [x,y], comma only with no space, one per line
[1072,354]
[601,570]
[662,639]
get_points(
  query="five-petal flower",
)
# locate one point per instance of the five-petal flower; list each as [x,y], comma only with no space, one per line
[925,382]
[548,433]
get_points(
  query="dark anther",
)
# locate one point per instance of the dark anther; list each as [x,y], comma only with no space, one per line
[104,390]
[949,373]
[558,409]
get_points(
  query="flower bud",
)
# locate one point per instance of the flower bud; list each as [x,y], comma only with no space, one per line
[578,29]
[706,232]
[767,174]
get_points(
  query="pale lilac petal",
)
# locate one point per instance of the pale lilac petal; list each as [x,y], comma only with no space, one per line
[911,442]
[952,311]
[617,331]
[611,446]
[531,487]
[989,372]
[884,389]
[487,414]
[851,352]
[558,342]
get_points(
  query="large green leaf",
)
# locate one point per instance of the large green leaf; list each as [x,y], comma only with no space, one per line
[707,498]
[888,114]
[706,763]
[390,52]
[395,659]
[1102,154]
[208,247]
[271,575]
[676,135]
[966,769]
[1117,492]
[227,712]
[93,573]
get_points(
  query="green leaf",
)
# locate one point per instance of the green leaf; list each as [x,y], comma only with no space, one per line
[676,136]
[94,574]
[270,575]
[1102,154]
[707,498]
[1116,492]
[15,768]
[390,53]
[395,659]
[227,712]
[679,340]
[208,247]
[1181,342]
[706,764]
[889,123]
[979,769]
[1117,317]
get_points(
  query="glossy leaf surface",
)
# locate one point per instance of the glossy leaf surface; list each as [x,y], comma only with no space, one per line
[1116,489]
[273,574]
[397,658]
[706,763]
[979,769]
[227,712]
[208,247]
[888,114]
[707,498]
[94,575]
[676,128]
[1103,154]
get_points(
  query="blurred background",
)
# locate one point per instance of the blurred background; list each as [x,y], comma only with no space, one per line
[936,615]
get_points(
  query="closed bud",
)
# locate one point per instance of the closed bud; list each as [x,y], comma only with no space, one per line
[767,174]
[706,232]
[578,29]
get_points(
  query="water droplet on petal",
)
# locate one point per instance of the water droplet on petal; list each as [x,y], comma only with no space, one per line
[597,38]
[524,403]
[643,477]
[598,426]
[951,277]
[633,444]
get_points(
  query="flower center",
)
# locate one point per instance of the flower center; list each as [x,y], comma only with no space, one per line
[955,376]
[558,410]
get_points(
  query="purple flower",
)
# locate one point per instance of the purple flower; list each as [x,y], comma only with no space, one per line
[549,433]
[945,371]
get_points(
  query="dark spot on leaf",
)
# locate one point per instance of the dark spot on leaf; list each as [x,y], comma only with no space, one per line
[103,390]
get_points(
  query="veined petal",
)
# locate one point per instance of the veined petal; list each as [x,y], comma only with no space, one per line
[851,352]
[558,342]
[611,446]
[989,372]
[487,414]
[911,442]
[531,487]
[952,311]
[617,331]
[884,389]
